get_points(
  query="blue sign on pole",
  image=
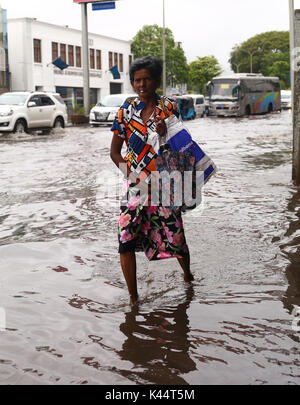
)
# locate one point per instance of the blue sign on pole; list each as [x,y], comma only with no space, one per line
[104,6]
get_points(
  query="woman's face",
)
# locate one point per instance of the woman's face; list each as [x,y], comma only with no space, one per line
[144,84]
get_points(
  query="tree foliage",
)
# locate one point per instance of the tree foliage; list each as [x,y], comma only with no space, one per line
[270,55]
[149,41]
[202,71]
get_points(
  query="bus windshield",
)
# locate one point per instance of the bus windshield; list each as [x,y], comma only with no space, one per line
[221,91]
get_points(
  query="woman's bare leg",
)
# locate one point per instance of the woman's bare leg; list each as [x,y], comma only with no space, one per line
[128,264]
[185,265]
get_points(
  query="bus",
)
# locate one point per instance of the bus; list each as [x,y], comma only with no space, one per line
[242,94]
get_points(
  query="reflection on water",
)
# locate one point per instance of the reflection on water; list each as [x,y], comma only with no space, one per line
[158,343]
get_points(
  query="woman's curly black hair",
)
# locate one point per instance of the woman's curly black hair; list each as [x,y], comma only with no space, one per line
[151,63]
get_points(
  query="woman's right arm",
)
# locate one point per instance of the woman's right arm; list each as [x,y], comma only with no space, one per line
[119,161]
[115,153]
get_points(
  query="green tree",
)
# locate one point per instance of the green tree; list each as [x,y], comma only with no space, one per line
[202,71]
[270,55]
[148,41]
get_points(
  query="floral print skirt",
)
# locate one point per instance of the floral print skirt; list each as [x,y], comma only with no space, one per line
[156,230]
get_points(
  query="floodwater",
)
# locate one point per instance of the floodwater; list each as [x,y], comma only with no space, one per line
[64,313]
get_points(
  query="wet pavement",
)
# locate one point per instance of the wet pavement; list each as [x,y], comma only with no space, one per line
[63,294]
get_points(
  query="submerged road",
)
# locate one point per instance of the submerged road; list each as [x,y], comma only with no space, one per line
[61,287]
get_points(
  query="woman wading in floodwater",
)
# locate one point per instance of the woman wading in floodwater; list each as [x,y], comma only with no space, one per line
[156,230]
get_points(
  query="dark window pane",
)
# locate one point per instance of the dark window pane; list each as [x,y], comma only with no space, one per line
[78,56]
[92,58]
[98,60]
[121,62]
[110,59]
[46,100]
[71,55]
[37,51]
[54,51]
[36,99]
[63,52]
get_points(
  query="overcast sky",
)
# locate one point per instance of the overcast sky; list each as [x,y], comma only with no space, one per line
[205,27]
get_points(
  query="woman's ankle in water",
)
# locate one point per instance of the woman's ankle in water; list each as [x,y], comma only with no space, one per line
[134,299]
[187,275]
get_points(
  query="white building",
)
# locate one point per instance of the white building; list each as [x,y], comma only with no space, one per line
[33,46]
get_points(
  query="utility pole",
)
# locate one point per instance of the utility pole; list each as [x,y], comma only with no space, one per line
[251,62]
[295,84]
[251,58]
[237,65]
[164,52]
[296,99]
[85,58]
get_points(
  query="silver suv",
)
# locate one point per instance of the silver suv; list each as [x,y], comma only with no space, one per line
[25,111]
[105,110]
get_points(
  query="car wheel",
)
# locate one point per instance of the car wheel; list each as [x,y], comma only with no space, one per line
[59,123]
[20,127]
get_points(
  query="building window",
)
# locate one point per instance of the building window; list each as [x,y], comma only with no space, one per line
[92,58]
[71,55]
[110,59]
[37,50]
[63,55]
[98,60]
[54,51]
[115,59]
[74,95]
[130,60]
[67,95]
[78,56]
[120,62]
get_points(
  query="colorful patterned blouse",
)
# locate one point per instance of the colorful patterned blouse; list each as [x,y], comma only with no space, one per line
[129,125]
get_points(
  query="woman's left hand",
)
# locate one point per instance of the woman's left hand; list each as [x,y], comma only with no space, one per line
[160,126]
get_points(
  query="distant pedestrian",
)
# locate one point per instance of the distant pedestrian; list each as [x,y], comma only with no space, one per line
[156,230]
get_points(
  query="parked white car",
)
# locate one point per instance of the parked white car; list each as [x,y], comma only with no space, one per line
[199,104]
[105,110]
[25,111]
[286,99]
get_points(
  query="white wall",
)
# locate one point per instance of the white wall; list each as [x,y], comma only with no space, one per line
[17,56]
[26,74]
